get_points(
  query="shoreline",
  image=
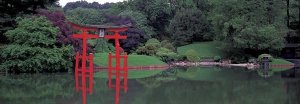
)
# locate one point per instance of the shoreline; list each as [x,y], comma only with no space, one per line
[187,64]
[190,64]
[246,65]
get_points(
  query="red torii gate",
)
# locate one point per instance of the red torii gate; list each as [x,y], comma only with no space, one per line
[117,68]
[85,36]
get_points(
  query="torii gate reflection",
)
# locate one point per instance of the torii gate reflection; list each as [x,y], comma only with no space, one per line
[118,71]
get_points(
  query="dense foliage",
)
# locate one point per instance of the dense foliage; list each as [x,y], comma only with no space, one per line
[64,36]
[139,20]
[10,9]
[33,48]
[189,25]
[154,47]
[85,16]
[157,12]
[85,4]
[293,14]
[150,47]
[248,26]
[260,57]
[135,36]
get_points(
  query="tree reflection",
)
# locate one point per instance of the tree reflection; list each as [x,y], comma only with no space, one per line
[35,89]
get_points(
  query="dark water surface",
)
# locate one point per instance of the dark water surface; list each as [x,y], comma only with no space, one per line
[174,86]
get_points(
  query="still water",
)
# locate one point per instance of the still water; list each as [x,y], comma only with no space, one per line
[173,86]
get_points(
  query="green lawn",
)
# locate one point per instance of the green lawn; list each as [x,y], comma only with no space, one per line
[280,61]
[204,49]
[132,74]
[101,59]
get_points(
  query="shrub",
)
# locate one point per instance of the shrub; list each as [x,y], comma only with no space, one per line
[217,58]
[192,55]
[153,40]
[165,54]
[179,57]
[150,48]
[167,44]
[260,57]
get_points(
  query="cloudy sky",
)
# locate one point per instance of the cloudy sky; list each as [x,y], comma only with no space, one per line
[64,2]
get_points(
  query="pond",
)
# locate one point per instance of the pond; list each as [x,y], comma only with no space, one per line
[196,85]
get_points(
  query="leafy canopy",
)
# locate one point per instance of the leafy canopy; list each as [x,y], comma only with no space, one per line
[32,48]
[189,25]
[249,26]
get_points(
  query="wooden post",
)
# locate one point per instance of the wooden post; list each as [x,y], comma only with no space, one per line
[125,72]
[117,44]
[109,70]
[76,71]
[91,73]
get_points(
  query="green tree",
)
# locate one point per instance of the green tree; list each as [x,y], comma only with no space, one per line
[189,25]
[10,9]
[32,48]
[293,14]
[190,4]
[85,16]
[249,26]
[140,20]
[158,12]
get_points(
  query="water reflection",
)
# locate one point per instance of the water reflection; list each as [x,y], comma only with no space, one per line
[174,86]
[36,89]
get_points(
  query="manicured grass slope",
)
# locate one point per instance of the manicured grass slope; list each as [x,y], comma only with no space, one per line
[204,49]
[132,74]
[101,59]
[280,61]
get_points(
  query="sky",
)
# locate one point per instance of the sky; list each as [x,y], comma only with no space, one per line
[64,2]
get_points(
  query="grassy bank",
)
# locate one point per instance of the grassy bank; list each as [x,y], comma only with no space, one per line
[101,59]
[204,49]
[280,62]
